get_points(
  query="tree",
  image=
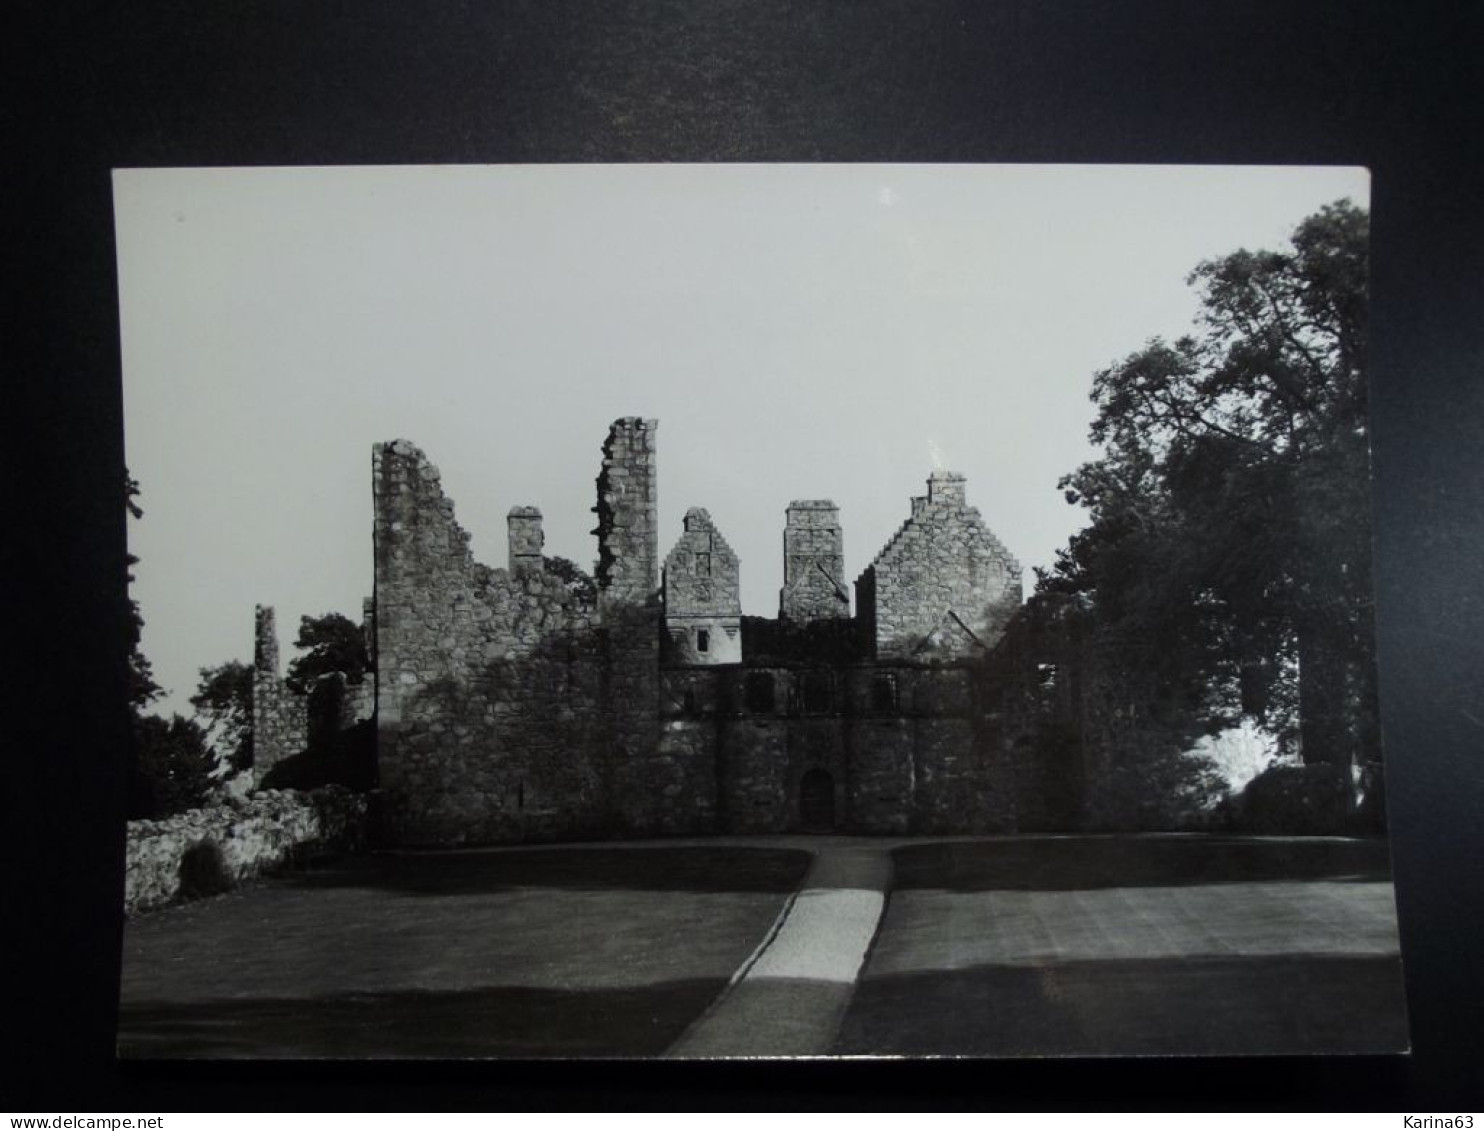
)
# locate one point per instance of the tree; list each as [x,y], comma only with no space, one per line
[172,768]
[1229,512]
[143,689]
[578,583]
[224,699]
[333,643]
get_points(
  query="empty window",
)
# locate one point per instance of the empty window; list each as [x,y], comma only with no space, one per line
[884,694]
[703,640]
[817,692]
[690,702]
[760,693]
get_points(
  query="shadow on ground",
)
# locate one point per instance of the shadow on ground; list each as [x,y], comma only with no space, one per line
[1194,1006]
[1084,863]
[682,868]
[499,1021]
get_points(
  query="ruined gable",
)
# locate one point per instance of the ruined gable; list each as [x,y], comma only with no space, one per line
[702,596]
[944,586]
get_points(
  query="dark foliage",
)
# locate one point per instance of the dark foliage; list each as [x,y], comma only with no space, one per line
[782,642]
[1226,561]
[172,767]
[203,871]
[332,643]
[224,697]
[143,689]
[345,758]
[579,584]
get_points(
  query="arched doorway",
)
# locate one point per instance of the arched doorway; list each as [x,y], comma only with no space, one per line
[817,802]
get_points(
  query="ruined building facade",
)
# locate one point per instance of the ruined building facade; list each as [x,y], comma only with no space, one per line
[512,706]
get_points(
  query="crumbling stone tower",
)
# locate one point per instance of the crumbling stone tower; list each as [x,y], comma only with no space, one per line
[813,563]
[627,510]
[280,717]
[702,595]
[629,614]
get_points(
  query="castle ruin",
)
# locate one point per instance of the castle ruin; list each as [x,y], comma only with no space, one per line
[511,706]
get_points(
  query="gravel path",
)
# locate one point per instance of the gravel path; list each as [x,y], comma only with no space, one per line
[791,997]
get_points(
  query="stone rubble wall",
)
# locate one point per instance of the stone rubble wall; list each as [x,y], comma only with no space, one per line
[628,514]
[280,722]
[508,709]
[280,714]
[488,680]
[904,758]
[263,833]
[287,722]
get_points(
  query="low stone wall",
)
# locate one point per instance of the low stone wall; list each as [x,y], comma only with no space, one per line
[206,851]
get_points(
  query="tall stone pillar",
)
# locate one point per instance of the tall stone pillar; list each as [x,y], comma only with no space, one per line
[629,614]
[526,538]
[280,717]
[265,640]
[627,510]
[813,563]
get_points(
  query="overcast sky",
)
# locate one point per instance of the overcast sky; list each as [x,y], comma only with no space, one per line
[800,331]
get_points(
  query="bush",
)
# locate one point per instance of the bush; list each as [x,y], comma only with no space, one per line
[203,871]
[1312,800]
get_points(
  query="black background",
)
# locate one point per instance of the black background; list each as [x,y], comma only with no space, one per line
[1391,86]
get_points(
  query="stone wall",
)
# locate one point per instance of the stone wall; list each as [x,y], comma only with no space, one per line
[208,850]
[646,777]
[702,596]
[813,563]
[509,709]
[900,743]
[628,515]
[280,714]
[287,723]
[944,586]
[526,538]
[488,680]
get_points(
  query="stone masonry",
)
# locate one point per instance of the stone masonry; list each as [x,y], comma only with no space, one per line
[944,586]
[509,709]
[813,563]
[267,832]
[286,722]
[702,596]
[526,538]
[280,714]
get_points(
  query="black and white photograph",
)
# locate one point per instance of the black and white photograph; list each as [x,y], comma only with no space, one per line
[717,611]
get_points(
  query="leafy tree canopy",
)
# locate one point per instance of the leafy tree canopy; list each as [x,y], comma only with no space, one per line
[1227,552]
[224,699]
[143,689]
[332,643]
[172,768]
[578,583]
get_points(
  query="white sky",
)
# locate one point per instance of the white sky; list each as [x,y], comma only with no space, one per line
[800,331]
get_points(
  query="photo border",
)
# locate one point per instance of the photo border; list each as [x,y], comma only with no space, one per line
[265,83]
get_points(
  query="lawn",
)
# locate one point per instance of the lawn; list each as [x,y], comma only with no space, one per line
[584,951]
[1128,946]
